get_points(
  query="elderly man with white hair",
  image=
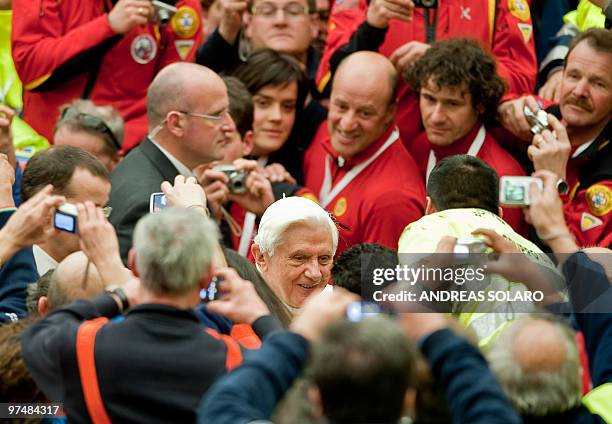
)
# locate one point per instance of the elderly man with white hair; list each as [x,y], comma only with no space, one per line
[294,249]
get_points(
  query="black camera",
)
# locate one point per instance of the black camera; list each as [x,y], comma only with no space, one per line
[237,178]
[426,4]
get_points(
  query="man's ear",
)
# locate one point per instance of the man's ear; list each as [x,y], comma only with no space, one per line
[500,212]
[410,403]
[207,277]
[246,18]
[132,262]
[314,25]
[429,206]
[175,124]
[248,143]
[260,258]
[43,306]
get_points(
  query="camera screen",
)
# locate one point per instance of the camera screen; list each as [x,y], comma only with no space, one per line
[159,202]
[515,193]
[64,222]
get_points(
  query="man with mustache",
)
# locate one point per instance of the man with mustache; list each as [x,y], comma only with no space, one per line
[576,146]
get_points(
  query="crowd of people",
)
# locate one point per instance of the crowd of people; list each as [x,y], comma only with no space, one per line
[206,208]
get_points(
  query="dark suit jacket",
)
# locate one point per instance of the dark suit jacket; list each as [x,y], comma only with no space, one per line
[137,176]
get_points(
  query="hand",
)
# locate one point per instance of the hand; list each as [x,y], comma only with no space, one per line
[550,150]
[380,12]
[128,14]
[512,116]
[239,300]
[185,193]
[231,18]
[99,242]
[550,90]
[321,311]
[259,193]
[215,188]
[7,179]
[546,214]
[515,266]
[32,222]
[406,55]
[6,137]
[277,173]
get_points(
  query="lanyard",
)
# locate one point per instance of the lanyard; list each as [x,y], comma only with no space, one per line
[327,193]
[472,151]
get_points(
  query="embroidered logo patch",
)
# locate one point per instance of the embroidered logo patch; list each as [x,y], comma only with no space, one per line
[340,207]
[183,47]
[310,196]
[599,199]
[185,22]
[526,31]
[519,9]
[143,49]
[588,221]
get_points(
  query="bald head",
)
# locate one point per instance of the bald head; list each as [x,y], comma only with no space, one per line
[175,87]
[369,69]
[536,362]
[73,280]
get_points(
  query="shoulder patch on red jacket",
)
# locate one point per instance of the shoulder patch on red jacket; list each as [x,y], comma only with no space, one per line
[599,199]
[519,9]
[588,222]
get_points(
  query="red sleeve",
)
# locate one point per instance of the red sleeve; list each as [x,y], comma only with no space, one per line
[513,46]
[589,215]
[344,19]
[39,41]
[183,43]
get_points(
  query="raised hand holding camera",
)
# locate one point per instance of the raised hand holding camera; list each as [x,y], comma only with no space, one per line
[550,150]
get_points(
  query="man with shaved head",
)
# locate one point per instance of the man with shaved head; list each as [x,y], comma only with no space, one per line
[357,164]
[187,110]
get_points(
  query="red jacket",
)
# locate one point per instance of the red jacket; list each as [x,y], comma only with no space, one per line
[379,202]
[509,39]
[55,44]
[491,152]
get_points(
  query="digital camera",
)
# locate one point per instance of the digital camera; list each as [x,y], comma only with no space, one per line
[237,178]
[466,246]
[164,11]
[514,191]
[538,120]
[65,218]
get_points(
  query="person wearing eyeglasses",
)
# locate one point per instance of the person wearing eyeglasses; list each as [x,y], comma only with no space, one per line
[189,122]
[96,129]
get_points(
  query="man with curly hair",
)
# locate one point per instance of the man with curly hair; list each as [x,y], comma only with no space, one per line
[459,89]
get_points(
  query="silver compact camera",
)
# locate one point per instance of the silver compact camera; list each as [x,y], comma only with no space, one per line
[538,120]
[237,178]
[514,191]
[163,12]
[466,246]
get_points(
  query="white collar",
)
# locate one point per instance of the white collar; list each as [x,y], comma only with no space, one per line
[182,169]
[44,262]
[582,148]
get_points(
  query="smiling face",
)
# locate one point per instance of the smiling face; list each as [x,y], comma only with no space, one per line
[360,110]
[447,113]
[273,117]
[301,264]
[586,87]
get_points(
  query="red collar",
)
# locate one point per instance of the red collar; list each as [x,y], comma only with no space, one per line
[459,147]
[364,154]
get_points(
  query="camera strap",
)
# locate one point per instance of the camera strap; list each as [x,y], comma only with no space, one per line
[327,193]
[472,151]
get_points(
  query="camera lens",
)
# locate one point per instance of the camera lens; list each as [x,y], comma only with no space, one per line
[163,16]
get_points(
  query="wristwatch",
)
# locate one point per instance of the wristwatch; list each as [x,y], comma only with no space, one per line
[118,291]
[562,186]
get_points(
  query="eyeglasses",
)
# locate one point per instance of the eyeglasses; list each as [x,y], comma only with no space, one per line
[92,122]
[218,117]
[269,10]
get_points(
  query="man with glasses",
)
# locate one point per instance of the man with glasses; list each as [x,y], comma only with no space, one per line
[187,111]
[75,174]
[96,129]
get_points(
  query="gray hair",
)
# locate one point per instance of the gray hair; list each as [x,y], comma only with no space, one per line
[108,114]
[289,211]
[174,248]
[541,392]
